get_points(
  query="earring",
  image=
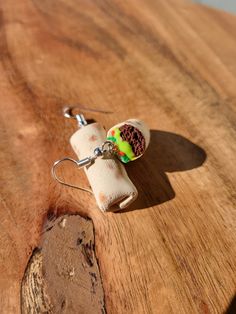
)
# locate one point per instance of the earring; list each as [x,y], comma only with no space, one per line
[100,155]
[130,138]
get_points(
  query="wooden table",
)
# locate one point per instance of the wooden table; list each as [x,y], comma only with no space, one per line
[170,63]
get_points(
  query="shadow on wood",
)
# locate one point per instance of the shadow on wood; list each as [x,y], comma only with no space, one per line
[167,152]
[232,306]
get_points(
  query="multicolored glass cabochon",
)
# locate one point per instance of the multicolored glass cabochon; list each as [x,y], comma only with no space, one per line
[131,139]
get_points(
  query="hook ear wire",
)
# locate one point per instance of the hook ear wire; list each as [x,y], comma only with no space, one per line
[54,174]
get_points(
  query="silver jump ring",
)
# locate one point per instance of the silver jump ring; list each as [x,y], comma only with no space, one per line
[107,146]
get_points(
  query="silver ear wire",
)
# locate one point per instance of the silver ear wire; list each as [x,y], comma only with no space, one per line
[106,148]
[68,113]
[80,164]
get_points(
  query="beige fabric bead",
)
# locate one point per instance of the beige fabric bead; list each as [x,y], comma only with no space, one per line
[112,188]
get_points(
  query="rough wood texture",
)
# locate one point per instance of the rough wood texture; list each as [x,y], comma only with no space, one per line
[34,294]
[63,276]
[171,63]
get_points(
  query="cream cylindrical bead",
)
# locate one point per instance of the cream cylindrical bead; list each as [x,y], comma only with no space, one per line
[112,188]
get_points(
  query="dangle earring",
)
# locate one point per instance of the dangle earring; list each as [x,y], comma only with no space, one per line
[102,155]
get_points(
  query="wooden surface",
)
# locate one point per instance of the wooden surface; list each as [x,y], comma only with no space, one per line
[170,63]
[63,275]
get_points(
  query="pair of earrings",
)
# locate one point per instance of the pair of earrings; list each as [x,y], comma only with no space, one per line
[103,156]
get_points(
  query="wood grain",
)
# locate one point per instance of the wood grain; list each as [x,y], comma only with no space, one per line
[34,295]
[170,63]
[63,275]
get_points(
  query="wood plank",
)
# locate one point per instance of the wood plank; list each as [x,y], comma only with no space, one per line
[170,63]
[63,276]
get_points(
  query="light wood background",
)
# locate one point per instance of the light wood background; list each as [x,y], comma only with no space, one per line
[170,63]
